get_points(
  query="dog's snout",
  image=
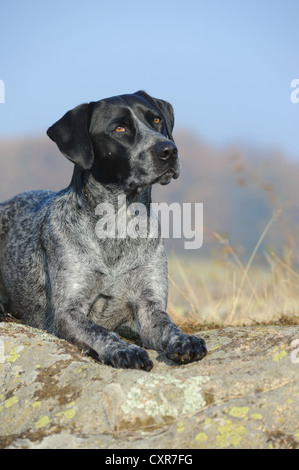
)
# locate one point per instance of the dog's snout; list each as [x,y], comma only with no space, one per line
[165,150]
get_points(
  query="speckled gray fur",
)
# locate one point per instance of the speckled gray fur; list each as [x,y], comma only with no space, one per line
[57,275]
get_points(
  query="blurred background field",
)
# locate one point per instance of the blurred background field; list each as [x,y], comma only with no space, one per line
[227,69]
[214,293]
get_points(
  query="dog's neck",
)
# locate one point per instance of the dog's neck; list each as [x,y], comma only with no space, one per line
[86,186]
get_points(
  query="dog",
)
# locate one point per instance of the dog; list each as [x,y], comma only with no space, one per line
[56,274]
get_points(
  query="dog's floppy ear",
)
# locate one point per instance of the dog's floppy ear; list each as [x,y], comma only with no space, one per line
[71,135]
[165,108]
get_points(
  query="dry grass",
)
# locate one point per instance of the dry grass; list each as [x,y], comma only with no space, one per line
[226,292]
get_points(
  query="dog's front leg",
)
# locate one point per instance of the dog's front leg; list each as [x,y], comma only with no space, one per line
[158,331]
[72,324]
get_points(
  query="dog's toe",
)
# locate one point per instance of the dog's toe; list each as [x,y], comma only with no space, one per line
[130,357]
[186,349]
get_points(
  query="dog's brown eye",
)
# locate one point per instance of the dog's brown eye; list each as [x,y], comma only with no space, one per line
[120,129]
[157,120]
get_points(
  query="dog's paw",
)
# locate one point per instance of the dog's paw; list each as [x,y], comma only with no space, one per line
[185,348]
[129,357]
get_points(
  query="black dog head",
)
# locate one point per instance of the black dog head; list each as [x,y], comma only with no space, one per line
[125,139]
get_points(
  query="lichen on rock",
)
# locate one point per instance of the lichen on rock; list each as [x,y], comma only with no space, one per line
[243,394]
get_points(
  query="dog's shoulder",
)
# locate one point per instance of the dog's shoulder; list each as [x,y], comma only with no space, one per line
[23,205]
[28,199]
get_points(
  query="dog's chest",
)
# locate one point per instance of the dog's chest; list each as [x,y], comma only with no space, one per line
[125,279]
[118,291]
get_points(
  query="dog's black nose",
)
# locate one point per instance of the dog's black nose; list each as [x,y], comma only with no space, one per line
[165,150]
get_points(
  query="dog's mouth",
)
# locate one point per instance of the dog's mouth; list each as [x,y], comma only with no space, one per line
[163,179]
[167,176]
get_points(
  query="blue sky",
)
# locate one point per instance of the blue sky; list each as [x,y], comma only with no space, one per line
[225,65]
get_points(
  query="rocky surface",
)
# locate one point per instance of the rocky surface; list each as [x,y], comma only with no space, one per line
[244,394]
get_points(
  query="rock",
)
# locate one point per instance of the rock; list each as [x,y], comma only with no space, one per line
[244,394]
